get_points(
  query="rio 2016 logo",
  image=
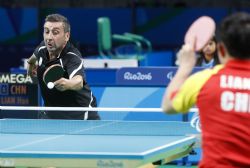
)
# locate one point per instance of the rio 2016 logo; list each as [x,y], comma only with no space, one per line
[137,76]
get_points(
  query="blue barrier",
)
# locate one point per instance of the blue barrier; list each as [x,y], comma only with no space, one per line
[139,76]
[101,77]
[158,58]
[136,97]
[147,76]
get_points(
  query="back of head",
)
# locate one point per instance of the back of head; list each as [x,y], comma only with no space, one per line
[59,18]
[234,32]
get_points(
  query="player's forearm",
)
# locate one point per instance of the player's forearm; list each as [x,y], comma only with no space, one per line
[32,60]
[31,67]
[181,75]
[187,61]
[76,83]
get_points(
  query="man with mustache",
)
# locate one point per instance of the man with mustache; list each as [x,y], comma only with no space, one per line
[72,89]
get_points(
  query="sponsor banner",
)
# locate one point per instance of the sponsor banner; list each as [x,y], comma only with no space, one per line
[149,76]
[18,90]
[17,78]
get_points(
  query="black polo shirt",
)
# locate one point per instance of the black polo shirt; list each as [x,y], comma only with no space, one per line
[71,60]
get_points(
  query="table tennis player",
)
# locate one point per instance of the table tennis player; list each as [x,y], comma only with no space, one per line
[70,90]
[222,95]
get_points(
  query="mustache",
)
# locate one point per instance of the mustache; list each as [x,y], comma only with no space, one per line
[49,42]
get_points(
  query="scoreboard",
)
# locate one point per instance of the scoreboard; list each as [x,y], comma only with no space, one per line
[18,90]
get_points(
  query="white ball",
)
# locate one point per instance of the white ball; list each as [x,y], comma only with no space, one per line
[50,85]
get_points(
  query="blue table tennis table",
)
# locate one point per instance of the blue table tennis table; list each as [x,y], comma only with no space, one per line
[92,144]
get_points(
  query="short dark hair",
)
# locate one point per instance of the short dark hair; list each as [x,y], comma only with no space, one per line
[59,18]
[234,31]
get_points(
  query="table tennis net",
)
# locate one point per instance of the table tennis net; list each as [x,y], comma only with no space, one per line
[99,127]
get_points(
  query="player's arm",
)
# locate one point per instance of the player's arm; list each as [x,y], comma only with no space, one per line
[187,60]
[76,79]
[31,68]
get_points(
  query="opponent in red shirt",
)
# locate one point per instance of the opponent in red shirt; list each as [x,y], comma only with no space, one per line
[222,95]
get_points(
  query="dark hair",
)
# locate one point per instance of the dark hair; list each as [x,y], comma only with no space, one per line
[202,56]
[234,32]
[59,18]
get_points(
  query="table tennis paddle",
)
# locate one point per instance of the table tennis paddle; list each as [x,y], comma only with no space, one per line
[52,74]
[200,32]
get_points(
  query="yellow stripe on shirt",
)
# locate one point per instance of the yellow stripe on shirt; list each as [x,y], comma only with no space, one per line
[187,95]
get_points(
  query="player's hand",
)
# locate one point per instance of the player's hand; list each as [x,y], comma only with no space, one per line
[75,83]
[32,70]
[186,56]
[62,84]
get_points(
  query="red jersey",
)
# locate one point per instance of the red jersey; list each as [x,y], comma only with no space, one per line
[222,95]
